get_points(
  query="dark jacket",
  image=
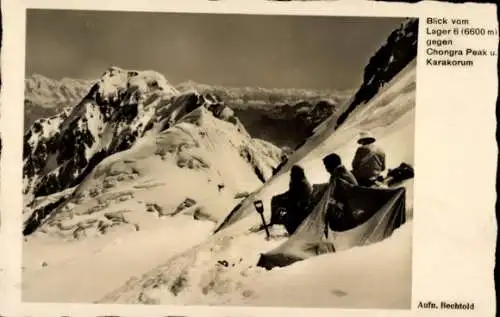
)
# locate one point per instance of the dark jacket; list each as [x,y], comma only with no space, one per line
[299,200]
[341,172]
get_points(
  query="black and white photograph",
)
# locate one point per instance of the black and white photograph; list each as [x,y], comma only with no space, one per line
[175,158]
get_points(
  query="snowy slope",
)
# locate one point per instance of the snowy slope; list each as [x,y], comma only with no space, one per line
[222,270]
[164,192]
[197,277]
[131,201]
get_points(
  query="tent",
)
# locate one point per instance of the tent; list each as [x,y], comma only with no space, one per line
[360,216]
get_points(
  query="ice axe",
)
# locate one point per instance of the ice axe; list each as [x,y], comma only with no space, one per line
[259,206]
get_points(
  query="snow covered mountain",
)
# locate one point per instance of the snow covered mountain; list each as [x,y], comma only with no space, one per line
[126,108]
[128,221]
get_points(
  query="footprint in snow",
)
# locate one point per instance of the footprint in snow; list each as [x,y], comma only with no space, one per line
[247,293]
[338,293]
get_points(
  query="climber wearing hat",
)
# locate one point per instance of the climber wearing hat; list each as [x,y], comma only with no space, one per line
[369,161]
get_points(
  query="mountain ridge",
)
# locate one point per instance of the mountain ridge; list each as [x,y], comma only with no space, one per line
[265,112]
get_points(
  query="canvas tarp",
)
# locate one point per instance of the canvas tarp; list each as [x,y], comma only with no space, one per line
[280,204]
[377,213]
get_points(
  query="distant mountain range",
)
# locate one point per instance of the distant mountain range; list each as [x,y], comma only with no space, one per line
[257,95]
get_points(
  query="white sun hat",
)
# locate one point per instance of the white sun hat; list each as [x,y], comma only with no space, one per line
[366,138]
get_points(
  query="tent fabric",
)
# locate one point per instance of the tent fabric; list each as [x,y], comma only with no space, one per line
[359,216]
[280,205]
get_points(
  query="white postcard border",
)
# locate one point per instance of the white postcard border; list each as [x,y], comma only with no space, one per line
[466,101]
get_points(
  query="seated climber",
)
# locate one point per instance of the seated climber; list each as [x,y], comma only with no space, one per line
[299,196]
[335,206]
[333,165]
[369,161]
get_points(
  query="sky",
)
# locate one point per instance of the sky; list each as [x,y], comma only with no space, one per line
[217,49]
